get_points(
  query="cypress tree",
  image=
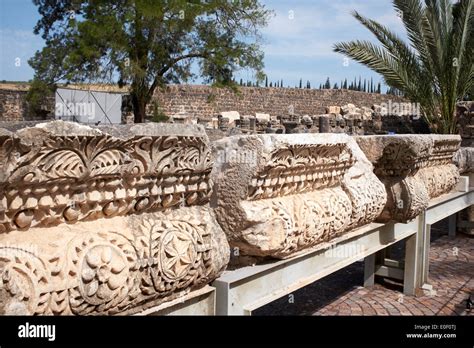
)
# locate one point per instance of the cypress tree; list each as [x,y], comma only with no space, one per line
[327,85]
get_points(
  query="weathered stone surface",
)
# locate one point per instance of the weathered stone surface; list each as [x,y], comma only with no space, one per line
[232,116]
[79,173]
[111,218]
[334,109]
[464,159]
[277,194]
[110,266]
[414,169]
[262,116]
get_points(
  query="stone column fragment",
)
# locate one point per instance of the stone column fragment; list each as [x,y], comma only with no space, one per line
[278,194]
[414,169]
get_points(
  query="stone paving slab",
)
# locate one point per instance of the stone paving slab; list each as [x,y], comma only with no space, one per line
[451,275]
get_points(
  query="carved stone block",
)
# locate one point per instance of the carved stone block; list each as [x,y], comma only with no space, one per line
[414,169]
[278,194]
[464,159]
[105,220]
[60,172]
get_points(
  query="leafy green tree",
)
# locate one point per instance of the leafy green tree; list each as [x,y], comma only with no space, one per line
[436,68]
[147,44]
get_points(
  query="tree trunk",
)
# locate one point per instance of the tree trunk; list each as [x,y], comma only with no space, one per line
[139,108]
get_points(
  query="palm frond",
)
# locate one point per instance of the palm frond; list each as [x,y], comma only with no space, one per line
[437,68]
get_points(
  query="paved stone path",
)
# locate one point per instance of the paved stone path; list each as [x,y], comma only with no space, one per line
[451,275]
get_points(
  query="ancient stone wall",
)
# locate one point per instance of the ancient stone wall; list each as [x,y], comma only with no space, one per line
[205,101]
[14,106]
[465,115]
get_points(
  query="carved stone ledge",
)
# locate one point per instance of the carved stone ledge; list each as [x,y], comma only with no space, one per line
[110,265]
[414,169]
[60,172]
[58,183]
[278,194]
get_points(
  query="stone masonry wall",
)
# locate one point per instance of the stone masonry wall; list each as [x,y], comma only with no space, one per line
[14,106]
[205,101]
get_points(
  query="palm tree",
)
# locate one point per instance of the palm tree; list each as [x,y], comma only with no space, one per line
[436,69]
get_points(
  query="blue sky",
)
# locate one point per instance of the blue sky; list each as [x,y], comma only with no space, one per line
[297,42]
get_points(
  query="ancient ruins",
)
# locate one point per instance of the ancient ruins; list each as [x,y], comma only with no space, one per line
[100,221]
[413,168]
[117,219]
[289,192]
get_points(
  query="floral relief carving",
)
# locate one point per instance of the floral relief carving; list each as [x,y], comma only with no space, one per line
[112,272]
[61,180]
[70,178]
[414,169]
[301,190]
